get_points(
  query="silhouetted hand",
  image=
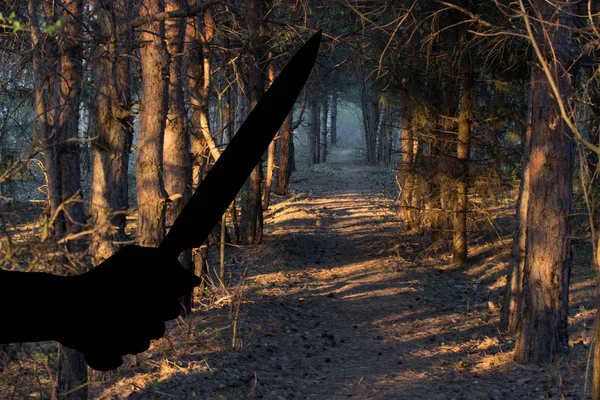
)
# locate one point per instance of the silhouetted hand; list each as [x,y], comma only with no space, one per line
[120,305]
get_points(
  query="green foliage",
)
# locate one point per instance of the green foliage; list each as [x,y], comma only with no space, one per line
[52,29]
[10,22]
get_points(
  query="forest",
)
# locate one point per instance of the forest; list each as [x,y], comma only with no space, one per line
[425,224]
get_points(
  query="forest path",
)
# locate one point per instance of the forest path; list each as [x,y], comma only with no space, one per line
[338,305]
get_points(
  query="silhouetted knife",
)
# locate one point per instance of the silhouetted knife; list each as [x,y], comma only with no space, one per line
[227,176]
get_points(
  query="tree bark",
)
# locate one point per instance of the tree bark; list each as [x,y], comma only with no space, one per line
[251,224]
[542,335]
[333,119]
[324,115]
[313,132]
[386,131]
[58,132]
[459,254]
[511,311]
[271,151]
[206,39]
[111,130]
[441,193]
[284,172]
[151,196]
[176,151]
[72,369]
[198,65]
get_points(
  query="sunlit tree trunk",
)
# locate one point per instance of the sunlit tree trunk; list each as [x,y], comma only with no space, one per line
[151,196]
[229,130]
[284,172]
[176,150]
[197,64]
[459,254]
[206,39]
[511,311]
[407,169]
[271,151]
[542,334]
[441,192]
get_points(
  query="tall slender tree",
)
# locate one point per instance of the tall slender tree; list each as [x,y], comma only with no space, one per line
[111,126]
[333,118]
[151,195]
[324,130]
[543,290]
[176,151]
[251,224]
[459,253]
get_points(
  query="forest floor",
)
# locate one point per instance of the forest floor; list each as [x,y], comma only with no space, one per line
[338,303]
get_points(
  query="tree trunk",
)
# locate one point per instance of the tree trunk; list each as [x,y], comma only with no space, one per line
[251,224]
[333,119]
[61,156]
[459,254]
[366,120]
[511,311]
[271,151]
[542,335]
[206,39]
[385,135]
[441,195]
[198,65]
[370,112]
[111,127]
[72,369]
[313,132]
[286,140]
[407,170]
[42,124]
[324,107]
[230,115]
[381,134]
[151,196]
[596,362]
[67,122]
[176,152]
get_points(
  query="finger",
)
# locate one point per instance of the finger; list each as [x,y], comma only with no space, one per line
[132,341]
[139,345]
[171,309]
[156,331]
[181,281]
[105,361]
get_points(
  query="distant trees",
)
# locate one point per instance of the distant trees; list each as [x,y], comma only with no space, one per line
[441,119]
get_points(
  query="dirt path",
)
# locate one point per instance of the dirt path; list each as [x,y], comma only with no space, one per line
[338,305]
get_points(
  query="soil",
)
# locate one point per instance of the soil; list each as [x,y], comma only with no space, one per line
[340,303]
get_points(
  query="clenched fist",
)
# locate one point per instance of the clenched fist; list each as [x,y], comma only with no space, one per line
[114,309]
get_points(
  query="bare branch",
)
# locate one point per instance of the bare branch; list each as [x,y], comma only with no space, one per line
[182,13]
